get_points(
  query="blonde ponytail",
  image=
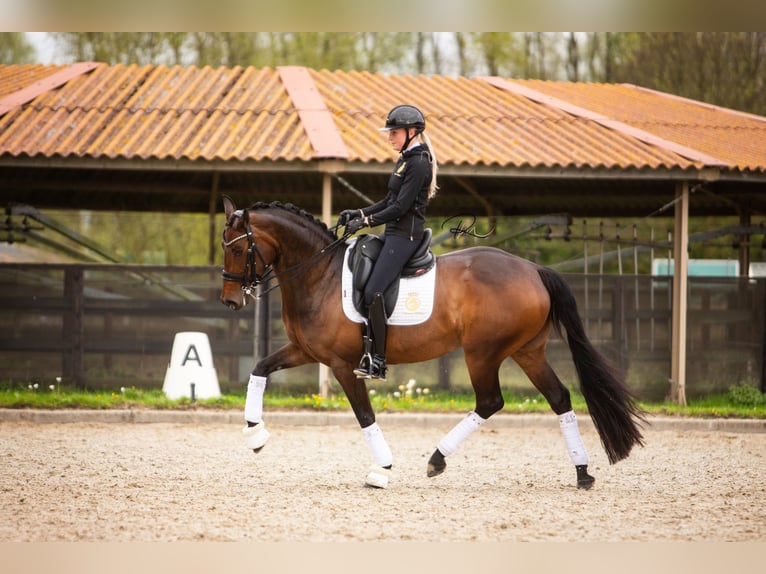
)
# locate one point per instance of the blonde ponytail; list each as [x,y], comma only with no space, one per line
[434,165]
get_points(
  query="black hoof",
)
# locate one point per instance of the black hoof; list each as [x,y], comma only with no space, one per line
[436,464]
[259,449]
[584,480]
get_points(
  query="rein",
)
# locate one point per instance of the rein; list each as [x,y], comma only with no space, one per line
[250,279]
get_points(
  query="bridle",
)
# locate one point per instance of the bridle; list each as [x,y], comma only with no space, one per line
[250,279]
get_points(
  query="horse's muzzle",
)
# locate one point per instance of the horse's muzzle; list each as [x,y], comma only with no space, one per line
[232,304]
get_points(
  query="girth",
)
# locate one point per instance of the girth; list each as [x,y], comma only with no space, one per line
[361,260]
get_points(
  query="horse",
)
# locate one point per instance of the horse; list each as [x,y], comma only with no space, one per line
[491,303]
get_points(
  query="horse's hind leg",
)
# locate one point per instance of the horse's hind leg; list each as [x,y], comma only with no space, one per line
[536,367]
[489,399]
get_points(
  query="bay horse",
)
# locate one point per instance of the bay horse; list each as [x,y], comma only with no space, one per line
[489,302]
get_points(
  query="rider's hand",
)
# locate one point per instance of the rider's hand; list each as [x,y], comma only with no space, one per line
[347,215]
[355,225]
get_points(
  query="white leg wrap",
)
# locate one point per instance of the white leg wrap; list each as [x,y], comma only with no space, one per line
[571,432]
[462,430]
[380,451]
[254,399]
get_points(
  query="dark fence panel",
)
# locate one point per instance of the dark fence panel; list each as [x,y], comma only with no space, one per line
[629,317]
[106,326]
[111,325]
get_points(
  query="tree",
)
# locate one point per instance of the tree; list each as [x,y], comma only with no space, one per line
[495,49]
[723,68]
[428,55]
[14,49]
[461,43]
[122,47]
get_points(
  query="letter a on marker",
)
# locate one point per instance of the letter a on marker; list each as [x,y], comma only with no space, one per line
[191,355]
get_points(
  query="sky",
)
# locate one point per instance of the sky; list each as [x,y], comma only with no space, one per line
[46,48]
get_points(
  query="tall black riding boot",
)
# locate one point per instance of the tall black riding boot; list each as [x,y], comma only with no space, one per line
[373,363]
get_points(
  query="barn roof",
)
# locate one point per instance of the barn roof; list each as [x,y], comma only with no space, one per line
[97,136]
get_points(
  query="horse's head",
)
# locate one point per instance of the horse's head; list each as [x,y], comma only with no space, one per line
[246,258]
[270,241]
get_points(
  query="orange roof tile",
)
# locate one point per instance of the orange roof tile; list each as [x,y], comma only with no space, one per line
[250,115]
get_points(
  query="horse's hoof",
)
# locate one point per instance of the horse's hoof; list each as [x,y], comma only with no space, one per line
[256,437]
[584,480]
[378,477]
[436,464]
[433,471]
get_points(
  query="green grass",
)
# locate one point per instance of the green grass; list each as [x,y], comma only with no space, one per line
[742,401]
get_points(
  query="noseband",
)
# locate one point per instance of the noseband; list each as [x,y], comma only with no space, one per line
[250,278]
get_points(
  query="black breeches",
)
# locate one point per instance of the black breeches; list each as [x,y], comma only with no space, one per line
[394,255]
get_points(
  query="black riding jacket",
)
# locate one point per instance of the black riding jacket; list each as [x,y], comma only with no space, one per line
[403,210]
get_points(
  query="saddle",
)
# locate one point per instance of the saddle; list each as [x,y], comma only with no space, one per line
[361,260]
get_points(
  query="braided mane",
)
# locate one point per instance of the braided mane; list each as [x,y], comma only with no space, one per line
[295,210]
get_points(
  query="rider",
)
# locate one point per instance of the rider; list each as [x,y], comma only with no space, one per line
[410,187]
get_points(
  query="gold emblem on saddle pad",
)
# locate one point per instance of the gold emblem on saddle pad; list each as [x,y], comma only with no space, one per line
[412,303]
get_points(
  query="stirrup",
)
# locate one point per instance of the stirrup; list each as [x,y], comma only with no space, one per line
[364,368]
[372,367]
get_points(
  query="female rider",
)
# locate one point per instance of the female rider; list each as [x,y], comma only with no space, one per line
[411,185]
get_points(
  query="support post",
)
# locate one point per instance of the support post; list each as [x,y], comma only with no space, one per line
[744,244]
[212,210]
[324,370]
[761,290]
[680,283]
[73,327]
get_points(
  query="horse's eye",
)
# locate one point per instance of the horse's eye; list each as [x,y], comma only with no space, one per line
[238,251]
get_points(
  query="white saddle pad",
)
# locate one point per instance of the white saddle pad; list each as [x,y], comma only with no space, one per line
[414,303]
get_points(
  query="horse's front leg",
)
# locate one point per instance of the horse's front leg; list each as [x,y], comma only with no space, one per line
[288,356]
[356,391]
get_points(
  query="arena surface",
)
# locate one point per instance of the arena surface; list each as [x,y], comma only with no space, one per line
[193,481]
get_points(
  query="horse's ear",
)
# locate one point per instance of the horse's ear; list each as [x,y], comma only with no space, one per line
[228,206]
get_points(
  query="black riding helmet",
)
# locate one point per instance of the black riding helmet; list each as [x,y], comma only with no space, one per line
[405,116]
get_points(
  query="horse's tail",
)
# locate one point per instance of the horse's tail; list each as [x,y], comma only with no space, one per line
[611,404]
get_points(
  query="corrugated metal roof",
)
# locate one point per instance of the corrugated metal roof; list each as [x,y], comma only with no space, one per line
[472,122]
[14,78]
[162,113]
[248,114]
[738,139]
